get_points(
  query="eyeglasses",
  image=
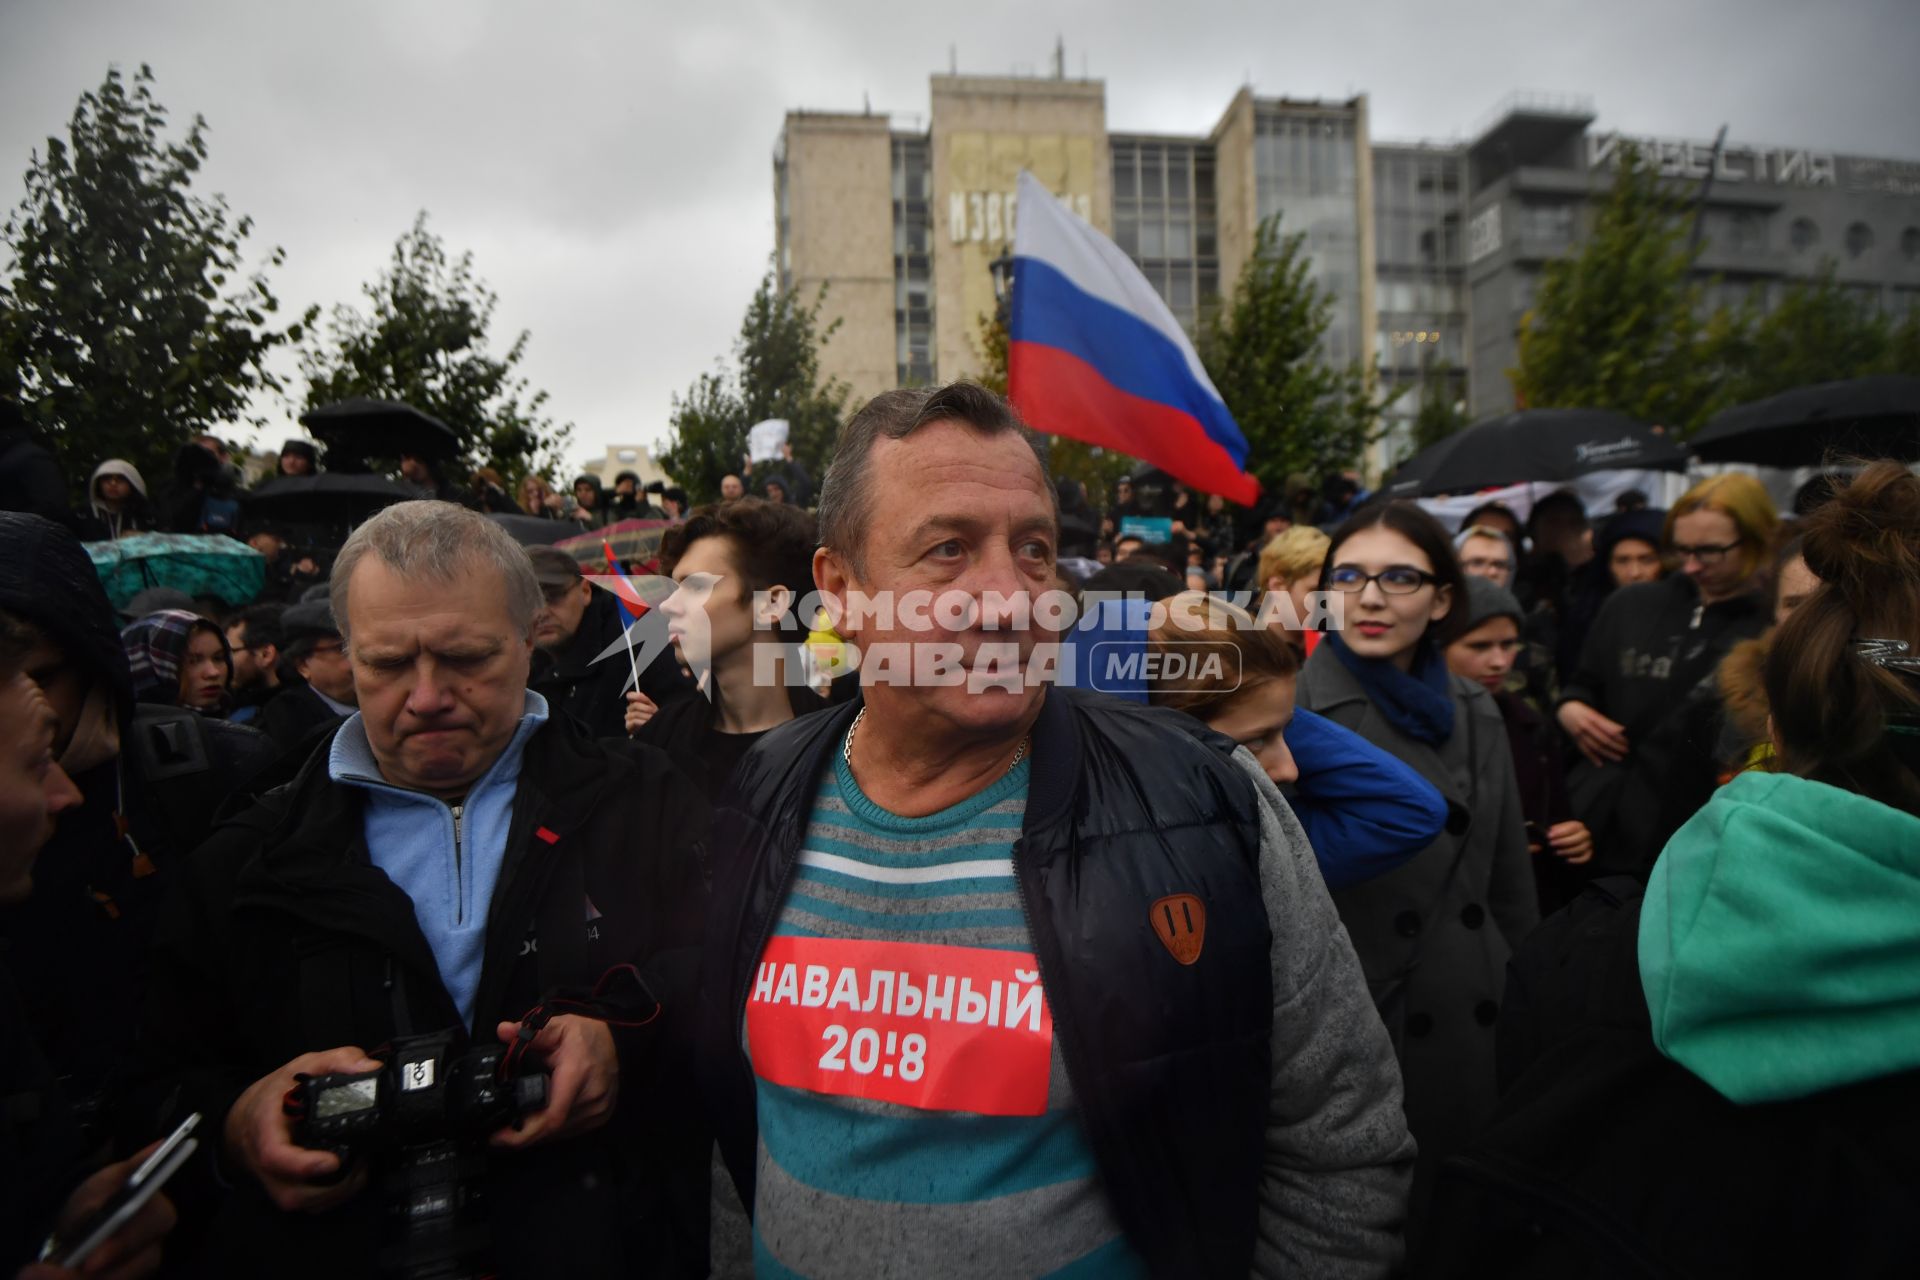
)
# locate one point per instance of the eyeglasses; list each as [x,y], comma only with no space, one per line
[1707,556]
[1397,580]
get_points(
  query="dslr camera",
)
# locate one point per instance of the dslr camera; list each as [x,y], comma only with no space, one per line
[423,1118]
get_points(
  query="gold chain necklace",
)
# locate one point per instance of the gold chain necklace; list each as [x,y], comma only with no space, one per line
[846,748]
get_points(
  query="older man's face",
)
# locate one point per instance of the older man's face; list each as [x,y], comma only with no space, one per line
[441,673]
[962,515]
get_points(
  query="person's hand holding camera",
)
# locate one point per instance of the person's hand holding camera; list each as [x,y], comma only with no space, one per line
[579,1054]
[259,1137]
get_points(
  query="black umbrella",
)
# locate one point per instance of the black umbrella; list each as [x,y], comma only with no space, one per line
[320,511]
[1876,417]
[535,531]
[1537,446]
[358,429]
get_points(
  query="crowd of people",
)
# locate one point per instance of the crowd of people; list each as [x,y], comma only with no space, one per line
[1529,898]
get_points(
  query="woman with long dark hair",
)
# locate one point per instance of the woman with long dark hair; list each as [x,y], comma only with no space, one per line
[1434,935]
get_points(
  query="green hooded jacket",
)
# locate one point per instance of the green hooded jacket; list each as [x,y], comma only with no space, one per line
[1780,940]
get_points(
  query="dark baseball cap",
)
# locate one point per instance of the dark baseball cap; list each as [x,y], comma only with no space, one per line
[553,568]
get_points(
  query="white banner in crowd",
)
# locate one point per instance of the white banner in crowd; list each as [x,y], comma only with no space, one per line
[1596,490]
[765,438]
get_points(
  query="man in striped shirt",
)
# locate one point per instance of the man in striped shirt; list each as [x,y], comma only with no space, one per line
[1007,980]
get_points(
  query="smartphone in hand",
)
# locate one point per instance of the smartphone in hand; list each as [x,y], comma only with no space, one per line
[71,1248]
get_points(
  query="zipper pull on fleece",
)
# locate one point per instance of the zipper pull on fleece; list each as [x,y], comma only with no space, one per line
[459,876]
[1699,611]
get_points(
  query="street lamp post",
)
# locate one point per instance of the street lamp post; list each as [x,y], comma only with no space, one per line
[1002,268]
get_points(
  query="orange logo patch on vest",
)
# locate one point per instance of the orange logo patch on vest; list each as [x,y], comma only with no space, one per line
[1180,921]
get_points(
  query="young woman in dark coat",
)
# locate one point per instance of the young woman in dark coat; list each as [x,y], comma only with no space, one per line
[1433,936]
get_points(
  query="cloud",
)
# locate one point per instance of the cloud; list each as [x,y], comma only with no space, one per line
[609,165]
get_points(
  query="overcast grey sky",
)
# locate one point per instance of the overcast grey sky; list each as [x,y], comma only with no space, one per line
[609,164]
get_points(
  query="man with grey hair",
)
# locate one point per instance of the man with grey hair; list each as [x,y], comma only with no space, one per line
[451,860]
[1014,980]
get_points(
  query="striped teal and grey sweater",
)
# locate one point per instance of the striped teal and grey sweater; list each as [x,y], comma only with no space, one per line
[929,1144]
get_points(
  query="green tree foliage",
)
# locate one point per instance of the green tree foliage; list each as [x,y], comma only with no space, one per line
[1620,322]
[1441,412]
[1818,332]
[1263,352]
[1616,323]
[776,374]
[423,341]
[126,323]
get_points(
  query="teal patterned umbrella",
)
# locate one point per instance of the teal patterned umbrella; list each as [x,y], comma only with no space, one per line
[199,564]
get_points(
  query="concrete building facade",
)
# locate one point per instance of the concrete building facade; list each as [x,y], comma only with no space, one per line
[1768,216]
[1430,253]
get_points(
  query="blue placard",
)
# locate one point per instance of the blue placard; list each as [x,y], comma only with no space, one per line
[1155,529]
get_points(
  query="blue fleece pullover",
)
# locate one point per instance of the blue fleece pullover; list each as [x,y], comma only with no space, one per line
[412,837]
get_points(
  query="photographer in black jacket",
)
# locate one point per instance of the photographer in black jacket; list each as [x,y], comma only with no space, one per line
[452,858]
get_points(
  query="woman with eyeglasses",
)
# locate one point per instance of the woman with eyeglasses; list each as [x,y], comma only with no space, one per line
[1433,936]
[1648,751]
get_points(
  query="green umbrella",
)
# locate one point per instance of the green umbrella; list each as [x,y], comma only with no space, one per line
[199,564]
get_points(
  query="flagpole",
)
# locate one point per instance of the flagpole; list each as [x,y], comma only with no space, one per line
[626,632]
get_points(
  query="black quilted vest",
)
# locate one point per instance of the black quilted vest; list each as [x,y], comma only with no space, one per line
[1170,1062]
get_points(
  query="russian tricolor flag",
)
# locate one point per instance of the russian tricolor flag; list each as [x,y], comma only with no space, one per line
[1093,353]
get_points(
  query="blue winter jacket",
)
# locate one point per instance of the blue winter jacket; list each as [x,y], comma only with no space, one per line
[1364,811]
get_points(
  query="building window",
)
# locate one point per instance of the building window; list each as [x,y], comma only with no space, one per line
[1859,239]
[1804,235]
[1747,232]
[1304,159]
[912,262]
[1548,225]
[1910,244]
[1164,219]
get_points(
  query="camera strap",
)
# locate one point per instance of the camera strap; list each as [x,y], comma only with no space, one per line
[620,998]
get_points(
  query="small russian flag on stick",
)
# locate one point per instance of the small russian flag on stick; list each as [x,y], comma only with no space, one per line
[628,601]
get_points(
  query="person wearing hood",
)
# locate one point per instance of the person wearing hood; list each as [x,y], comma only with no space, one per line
[179,659]
[590,502]
[1721,1075]
[429,478]
[626,501]
[202,495]
[42,1160]
[1646,766]
[117,503]
[299,458]
[1626,552]
[1486,650]
[152,776]
[30,476]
